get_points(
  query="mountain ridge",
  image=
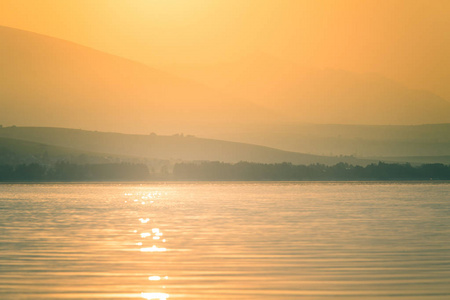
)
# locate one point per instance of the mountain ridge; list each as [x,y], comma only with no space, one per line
[314,95]
[176,147]
[84,87]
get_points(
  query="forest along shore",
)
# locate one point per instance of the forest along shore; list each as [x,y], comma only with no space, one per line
[219,171]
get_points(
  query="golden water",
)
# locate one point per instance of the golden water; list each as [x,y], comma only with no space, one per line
[225,241]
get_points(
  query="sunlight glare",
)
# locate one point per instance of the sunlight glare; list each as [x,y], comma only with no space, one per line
[154,278]
[153,249]
[155,296]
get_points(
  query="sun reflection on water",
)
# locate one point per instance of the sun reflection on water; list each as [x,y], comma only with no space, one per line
[153,249]
[156,278]
[146,229]
[155,296]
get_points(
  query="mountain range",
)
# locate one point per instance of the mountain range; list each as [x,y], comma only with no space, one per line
[151,147]
[320,96]
[380,141]
[259,100]
[47,81]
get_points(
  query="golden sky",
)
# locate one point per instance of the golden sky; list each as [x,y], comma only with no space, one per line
[407,40]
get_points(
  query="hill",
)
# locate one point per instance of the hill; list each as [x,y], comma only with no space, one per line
[46,81]
[13,151]
[176,147]
[80,87]
[320,96]
[407,141]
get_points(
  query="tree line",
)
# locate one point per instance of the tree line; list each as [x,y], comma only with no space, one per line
[245,171]
[64,171]
[204,171]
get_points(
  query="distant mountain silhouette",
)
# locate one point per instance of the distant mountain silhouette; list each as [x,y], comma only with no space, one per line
[334,139]
[52,82]
[325,96]
[175,148]
[13,151]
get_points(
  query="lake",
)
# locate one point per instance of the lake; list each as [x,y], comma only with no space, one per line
[271,240]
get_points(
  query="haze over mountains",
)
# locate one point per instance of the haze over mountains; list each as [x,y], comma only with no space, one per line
[155,147]
[321,96]
[339,139]
[52,82]
[258,100]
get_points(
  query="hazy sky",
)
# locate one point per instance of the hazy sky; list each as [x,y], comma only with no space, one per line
[407,40]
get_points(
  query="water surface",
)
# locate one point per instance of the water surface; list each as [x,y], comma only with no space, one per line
[225,241]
